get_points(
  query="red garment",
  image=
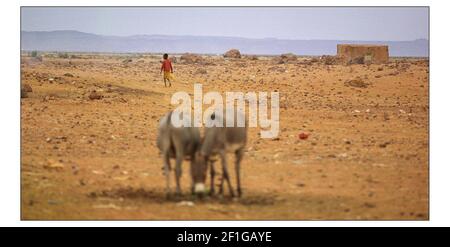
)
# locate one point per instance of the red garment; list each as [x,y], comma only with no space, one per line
[166,66]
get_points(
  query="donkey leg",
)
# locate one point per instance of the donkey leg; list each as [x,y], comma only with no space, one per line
[179,160]
[222,180]
[239,156]
[212,173]
[225,174]
[167,171]
[192,174]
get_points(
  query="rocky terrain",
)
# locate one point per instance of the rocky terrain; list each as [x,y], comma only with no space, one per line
[353,141]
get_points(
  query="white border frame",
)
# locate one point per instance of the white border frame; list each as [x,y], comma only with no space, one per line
[439,122]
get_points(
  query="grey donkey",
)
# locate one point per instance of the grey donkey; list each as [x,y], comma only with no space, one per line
[180,143]
[219,141]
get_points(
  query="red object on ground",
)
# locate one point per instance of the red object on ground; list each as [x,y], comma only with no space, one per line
[303,136]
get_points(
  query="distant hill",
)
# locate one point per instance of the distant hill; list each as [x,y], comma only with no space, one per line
[75,41]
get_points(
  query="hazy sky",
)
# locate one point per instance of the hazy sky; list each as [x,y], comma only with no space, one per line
[343,23]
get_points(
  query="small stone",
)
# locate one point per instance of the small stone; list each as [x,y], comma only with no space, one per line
[54,165]
[23,93]
[359,83]
[27,88]
[369,205]
[95,96]
[186,203]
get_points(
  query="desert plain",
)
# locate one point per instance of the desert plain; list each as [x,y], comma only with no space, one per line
[89,125]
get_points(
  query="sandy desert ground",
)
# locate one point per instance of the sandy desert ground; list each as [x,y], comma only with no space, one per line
[366,156]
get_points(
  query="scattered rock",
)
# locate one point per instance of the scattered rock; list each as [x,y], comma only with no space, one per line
[27,88]
[276,69]
[252,57]
[122,178]
[24,90]
[23,93]
[356,83]
[48,97]
[94,95]
[201,71]
[107,206]
[233,53]
[420,215]
[385,144]
[53,165]
[96,172]
[75,169]
[330,60]
[343,155]
[190,58]
[356,60]
[369,205]
[289,57]
[186,203]
[36,59]
[298,162]
[285,58]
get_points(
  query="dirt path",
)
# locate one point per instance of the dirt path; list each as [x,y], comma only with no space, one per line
[366,156]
